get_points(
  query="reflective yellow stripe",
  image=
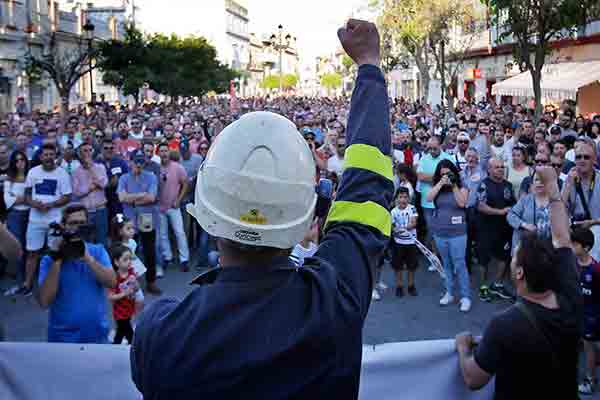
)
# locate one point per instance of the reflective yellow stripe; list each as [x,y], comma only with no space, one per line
[368,213]
[369,158]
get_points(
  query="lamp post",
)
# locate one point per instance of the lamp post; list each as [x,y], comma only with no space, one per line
[88,28]
[279,43]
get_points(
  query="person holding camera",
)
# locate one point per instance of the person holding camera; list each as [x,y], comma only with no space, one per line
[449,229]
[72,280]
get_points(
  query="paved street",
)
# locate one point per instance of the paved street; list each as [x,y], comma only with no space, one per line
[389,320]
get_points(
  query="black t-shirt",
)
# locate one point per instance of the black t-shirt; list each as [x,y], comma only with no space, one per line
[496,195]
[514,351]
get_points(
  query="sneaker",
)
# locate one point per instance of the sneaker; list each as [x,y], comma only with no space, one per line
[160,272]
[381,286]
[153,289]
[27,292]
[399,292]
[587,386]
[13,290]
[499,290]
[375,295]
[465,304]
[431,268]
[484,294]
[185,267]
[412,291]
[447,299]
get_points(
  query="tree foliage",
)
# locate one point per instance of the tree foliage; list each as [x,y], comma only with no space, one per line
[271,82]
[124,62]
[421,28]
[171,65]
[63,65]
[532,25]
[331,80]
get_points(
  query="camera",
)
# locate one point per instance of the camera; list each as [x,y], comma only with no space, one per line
[73,244]
[452,178]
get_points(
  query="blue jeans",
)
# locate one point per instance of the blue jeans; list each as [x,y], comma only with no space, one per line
[16,222]
[203,246]
[453,253]
[99,220]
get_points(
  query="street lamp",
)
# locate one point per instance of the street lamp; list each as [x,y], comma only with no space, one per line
[88,28]
[280,44]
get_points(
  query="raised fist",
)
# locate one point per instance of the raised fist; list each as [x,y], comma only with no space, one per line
[360,40]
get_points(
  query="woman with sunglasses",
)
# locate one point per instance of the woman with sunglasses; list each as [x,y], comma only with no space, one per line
[531,213]
[18,215]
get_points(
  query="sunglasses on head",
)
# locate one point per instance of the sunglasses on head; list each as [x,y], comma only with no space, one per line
[585,157]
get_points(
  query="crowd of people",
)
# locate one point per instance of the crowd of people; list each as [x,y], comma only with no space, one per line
[99,202]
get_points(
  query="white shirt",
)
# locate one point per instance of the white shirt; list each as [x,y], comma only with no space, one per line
[11,191]
[47,187]
[138,266]
[335,164]
[400,220]
[300,253]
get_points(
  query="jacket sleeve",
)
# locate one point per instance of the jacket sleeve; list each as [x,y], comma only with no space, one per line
[358,226]
[515,215]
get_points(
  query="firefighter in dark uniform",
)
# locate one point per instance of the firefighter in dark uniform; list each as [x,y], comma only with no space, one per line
[257,327]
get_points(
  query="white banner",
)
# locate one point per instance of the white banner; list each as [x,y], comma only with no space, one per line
[30,371]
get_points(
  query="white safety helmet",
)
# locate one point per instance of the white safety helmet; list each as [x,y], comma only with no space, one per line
[257,184]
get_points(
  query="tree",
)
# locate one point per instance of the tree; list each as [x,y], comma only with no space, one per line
[170,65]
[455,26]
[185,67]
[64,65]
[124,62]
[290,81]
[271,82]
[331,81]
[532,25]
[403,24]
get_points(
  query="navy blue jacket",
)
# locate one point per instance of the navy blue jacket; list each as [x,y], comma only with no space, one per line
[274,331]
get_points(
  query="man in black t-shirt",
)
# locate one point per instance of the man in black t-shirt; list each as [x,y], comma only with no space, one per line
[495,197]
[531,348]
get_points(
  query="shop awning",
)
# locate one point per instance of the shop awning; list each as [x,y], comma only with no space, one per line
[559,81]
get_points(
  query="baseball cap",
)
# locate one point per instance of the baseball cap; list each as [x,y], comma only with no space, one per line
[463,136]
[138,155]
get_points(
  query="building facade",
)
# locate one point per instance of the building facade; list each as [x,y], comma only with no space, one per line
[490,62]
[25,27]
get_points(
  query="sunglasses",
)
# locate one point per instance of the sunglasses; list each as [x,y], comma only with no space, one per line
[585,157]
[541,162]
[99,136]
[204,148]
[557,165]
[463,142]
[139,161]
